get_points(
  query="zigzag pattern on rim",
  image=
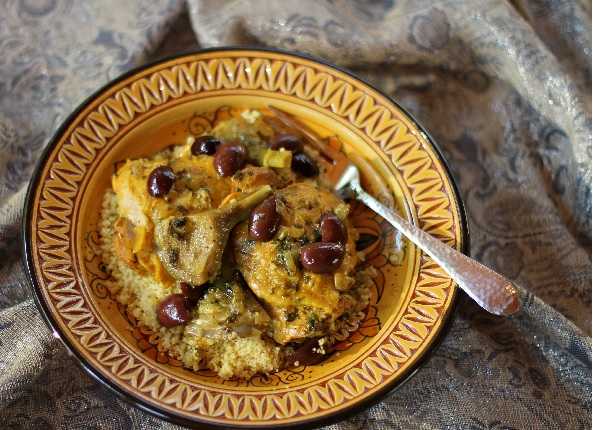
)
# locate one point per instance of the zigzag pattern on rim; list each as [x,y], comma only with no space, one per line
[91,133]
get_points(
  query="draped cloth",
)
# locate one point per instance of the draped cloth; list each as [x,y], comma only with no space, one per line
[504,87]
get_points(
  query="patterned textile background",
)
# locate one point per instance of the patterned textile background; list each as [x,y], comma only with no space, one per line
[503,85]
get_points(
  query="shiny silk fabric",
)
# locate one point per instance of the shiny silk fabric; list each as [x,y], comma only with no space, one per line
[503,86]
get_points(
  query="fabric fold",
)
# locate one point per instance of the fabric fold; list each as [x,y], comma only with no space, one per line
[504,88]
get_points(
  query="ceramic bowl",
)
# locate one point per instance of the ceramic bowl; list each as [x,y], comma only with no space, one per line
[160,104]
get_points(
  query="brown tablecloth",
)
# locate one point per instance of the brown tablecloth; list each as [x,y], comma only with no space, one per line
[505,88]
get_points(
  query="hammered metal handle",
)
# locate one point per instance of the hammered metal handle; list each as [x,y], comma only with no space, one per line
[491,291]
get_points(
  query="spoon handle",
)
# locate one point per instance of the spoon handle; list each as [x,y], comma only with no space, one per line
[490,290]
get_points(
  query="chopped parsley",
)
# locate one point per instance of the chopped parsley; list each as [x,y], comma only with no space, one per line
[312,322]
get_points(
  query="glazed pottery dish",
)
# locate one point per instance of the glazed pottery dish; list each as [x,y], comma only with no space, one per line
[187,247]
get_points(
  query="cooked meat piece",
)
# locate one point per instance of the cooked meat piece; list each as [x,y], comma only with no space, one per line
[196,188]
[252,177]
[228,305]
[302,304]
[191,247]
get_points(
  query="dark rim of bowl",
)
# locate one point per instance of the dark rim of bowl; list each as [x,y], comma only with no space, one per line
[178,419]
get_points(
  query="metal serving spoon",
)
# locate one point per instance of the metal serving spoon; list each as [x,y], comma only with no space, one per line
[491,291]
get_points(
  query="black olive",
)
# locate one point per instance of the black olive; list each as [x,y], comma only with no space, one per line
[322,257]
[290,142]
[332,229]
[264,220]
[205,145]
[306,354]
[304,165]
[192,293]
[160,181]
[173,311]
[229,158]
